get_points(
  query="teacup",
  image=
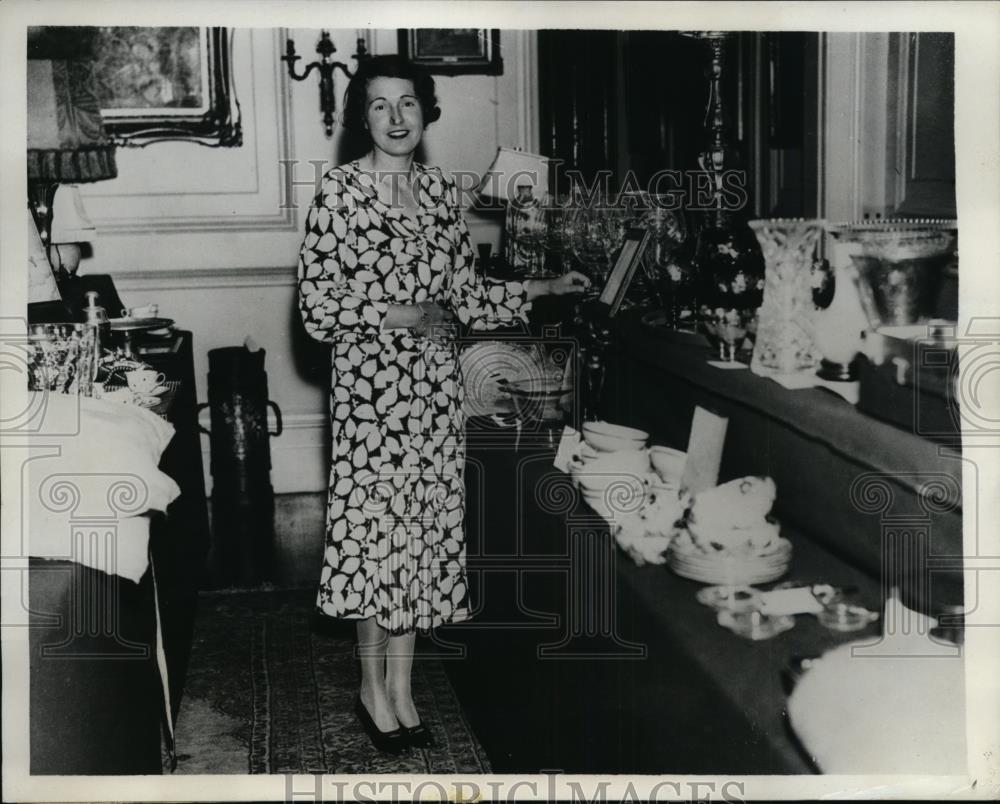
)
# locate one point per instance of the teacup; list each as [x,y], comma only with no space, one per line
[668,463]
[143,311]
[143,381]
[122,395]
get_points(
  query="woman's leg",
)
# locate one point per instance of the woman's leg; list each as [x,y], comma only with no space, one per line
[399,667]
[372,643]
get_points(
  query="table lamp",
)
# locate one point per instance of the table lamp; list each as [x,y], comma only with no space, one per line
[515,177]
[71,226]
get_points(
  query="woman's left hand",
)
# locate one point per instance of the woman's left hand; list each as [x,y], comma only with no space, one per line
[570,282]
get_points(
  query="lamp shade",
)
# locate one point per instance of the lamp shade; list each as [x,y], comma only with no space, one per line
[70,222]
[511,169]
[67,142]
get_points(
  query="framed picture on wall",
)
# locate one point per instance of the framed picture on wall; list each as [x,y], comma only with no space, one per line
[453,51]
[623,271]
[167,83]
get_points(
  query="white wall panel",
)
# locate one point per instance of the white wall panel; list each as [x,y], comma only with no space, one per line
[202,231]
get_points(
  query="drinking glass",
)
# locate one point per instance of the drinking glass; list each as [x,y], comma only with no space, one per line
[559,215]
[529,233]
[726,329]
[62,358]
[598,231]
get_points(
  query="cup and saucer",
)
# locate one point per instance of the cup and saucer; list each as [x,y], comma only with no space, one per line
[147,384]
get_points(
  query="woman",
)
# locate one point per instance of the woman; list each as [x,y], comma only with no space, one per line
[385,265]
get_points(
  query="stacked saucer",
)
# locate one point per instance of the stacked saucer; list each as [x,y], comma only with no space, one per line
[727,568]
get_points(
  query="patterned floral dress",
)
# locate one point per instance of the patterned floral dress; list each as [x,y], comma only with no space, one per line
[395,548]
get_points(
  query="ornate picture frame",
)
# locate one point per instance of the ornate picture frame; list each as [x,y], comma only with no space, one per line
[453,51]
[168,84]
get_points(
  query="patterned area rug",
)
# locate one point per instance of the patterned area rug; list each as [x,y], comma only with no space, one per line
[271,688]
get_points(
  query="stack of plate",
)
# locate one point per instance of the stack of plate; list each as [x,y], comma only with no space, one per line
[724,568]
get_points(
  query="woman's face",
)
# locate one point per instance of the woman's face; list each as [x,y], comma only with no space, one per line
[394,116]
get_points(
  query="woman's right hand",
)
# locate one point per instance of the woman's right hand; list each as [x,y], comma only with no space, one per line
[433,321]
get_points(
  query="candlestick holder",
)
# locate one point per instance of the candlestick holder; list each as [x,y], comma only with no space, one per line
[327,68]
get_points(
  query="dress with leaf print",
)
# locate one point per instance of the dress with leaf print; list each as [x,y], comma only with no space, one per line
[395,548]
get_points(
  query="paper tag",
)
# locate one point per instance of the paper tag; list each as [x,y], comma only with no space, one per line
[569,443]
[725,364]
[704,452]
[800,600]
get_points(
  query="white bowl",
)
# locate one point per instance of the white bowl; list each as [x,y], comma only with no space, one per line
[608,437]
[631,461]
[620,498]
[598,482]
[598,502]
[599,505]
[668,463]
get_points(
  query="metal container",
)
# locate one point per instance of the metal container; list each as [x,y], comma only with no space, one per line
[901,265]
[242,497]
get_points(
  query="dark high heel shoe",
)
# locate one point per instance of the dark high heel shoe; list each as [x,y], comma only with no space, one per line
[392,742]
[418,736]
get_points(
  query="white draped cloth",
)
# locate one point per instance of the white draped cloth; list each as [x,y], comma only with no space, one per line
[91,482]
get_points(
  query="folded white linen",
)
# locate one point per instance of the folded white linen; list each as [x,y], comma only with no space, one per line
[91,480]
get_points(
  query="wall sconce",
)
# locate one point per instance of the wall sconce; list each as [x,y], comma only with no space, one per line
[327,67]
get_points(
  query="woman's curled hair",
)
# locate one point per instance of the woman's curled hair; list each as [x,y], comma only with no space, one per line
[390,66]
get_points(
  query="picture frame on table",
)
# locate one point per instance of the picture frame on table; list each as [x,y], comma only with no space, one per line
[158,84]
[623,271]
[453,51]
